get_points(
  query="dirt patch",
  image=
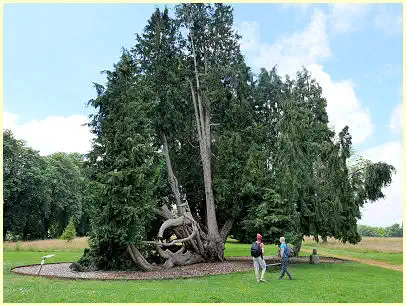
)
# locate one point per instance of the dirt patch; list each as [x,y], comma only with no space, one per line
[364,261]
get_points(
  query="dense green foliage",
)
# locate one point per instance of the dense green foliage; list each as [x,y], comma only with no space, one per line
[300,176]
[124,162]
[394,230]
[41,193]
[275,165]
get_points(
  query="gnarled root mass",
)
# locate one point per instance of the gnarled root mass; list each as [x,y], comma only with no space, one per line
[194,245]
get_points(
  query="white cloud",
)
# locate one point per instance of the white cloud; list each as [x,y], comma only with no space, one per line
[308,48]
[52,134]
[343,106]
[346,17]
[300,49]
[396,119]
[249,30]
[389,210]
[389,23]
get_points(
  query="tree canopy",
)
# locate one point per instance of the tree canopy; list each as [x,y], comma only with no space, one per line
[191,147]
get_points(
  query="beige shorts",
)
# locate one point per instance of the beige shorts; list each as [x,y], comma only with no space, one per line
[258,261]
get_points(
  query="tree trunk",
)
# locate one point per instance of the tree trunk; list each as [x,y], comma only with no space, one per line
[199,245]
[324,239]
[226,229]
[215,247]
[297,246]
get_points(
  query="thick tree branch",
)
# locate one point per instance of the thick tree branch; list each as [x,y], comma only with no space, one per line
[191,241]
[199,96]
[187,258]
[164,254]
[180,250]
[173,181]
[199,131]
[138,259]
[226,229]
[174,241]
[164,212]
[207,129]
[172,223]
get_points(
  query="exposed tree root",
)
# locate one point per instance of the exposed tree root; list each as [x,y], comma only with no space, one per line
[187,258]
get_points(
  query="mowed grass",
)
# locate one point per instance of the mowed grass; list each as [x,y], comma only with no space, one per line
[345,282]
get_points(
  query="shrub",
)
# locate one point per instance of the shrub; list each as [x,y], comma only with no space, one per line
[70,231]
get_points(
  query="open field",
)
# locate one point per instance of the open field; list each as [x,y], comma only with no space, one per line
[378,244]
[44,245]
[382,252]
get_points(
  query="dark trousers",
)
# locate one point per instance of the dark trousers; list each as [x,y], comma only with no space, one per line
[284,268]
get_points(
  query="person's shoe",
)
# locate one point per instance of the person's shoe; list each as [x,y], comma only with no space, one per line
[291,278]
[257,280]
[262,280]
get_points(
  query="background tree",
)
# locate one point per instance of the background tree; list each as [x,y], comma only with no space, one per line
[70,232]
[51,188]
[395,230]
[24,191]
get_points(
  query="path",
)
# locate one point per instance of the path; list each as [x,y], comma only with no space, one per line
[361,260]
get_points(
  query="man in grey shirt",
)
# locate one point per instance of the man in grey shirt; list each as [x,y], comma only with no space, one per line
[284,259]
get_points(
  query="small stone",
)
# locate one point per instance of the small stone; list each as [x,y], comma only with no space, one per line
[314,259]
[76,267]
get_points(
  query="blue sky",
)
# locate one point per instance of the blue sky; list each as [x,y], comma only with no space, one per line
[53,53]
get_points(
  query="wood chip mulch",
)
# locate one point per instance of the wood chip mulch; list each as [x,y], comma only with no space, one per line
[62,270]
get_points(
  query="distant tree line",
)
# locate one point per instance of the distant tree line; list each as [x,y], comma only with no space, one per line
[395,230]
[41,193]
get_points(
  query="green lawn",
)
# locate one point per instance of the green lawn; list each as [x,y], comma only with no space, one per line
[349,282]
[240,249]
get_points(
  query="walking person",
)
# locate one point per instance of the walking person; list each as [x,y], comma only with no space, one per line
[284,259]
[257,253]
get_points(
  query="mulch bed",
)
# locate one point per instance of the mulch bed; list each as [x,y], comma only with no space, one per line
[233,264]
